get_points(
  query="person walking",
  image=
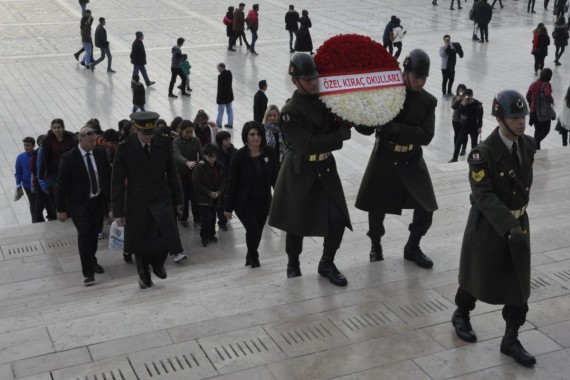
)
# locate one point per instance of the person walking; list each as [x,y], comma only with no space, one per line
[260,102]
[308,198]
[530,6]
[224,96]
[229,23]
[83,193]
[23,174]
[470,114]
[145,161]
[396,176]
[473,16]
[85,18]
[304,42]
[500,3]
[292,25]
[540,43]
[103,44]
[139,96]
[386,35]
[239,25]
[495,255]
[455,103]
[484,17]
[448,53]
[176,70]
[560,36]
[252,174]
[252,21]
[458,5]
[398,33]
[540,86]
[138,58]
[86,39]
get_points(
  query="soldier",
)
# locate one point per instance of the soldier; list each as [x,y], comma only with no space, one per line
[145,174]
[308,199]
[495,255]
[397,177]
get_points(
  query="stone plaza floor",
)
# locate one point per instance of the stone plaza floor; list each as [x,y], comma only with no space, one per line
[214,318]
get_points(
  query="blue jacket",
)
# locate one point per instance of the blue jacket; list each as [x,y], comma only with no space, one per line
[43,182]
[23,171]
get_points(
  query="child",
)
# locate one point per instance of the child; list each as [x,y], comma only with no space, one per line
[186,66]
[139,98]
[208,179]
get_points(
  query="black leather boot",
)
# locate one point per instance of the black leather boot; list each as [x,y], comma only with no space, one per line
[463,329]
[254,257]
[376,251]
[143,267]
[328,269]
[293,266]
[512,347]
[413,253]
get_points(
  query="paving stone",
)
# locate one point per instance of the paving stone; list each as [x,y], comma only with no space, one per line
[420,309]
[115,368]
[49,362]
[242,349]
[549,311]
[257,373]
[404,370]
[6,372]
[128,345]
[24,344]
[175,362]
[39,376]
[17,251]
[559,332]
[559,272]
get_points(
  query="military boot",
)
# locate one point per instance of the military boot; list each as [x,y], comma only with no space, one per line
[413,253]
[329,270]
[460,320]
[293,267]
[512,347]
[376,251]
[143,267]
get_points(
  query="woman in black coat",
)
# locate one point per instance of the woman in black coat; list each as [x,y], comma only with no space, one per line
[304,41]
[229,22]
[253,172]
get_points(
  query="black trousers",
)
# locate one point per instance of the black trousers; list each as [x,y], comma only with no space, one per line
[105,52]
[32,201]
[514,316]
[448,78]
[541,129]
[462,140]
[559,52]
[484,29]
[398,46]
[253,221]
[337,223]
[208,214]
[189,196]
[42,202]
[240,35]
[530,6]
[176,72]
[88,226]
[458,4]
[388,45]
[500,3]
[564,133]
[539,62]
[421,222]
[456,129]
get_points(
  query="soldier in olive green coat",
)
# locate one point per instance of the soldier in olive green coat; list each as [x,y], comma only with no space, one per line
[308,199]
[495,255]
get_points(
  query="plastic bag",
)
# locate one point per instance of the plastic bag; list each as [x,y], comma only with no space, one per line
[116,237]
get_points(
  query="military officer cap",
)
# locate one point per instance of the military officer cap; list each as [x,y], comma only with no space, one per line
[303,66]
[145,121]
[509,103]
[417,62]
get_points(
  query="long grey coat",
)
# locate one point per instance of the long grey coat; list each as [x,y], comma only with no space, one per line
[491,268]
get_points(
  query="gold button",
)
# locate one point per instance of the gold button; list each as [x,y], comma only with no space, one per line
[395,163]
[319,175]
[502,174]
[328,170]
[514,192]
[527,189]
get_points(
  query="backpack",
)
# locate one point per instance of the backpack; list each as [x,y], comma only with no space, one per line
[542,107]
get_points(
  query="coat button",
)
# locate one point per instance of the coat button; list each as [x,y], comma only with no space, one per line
[527,189]
[328,170]
[395,163]
[514,192]
[320,176]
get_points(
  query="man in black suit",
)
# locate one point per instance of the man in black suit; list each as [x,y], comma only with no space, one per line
[83,184]
[260,102]
[144,173]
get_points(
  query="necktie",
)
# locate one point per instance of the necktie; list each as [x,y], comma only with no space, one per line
[147,149]
[515,156]
[92,176]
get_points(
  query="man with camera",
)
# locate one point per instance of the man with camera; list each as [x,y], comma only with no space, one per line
[470,115]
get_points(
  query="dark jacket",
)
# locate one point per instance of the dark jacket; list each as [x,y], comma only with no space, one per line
[542,43]
[386,35]
[471,116]
[560,35]
[259,106]
[184,151]
[304,42]
[139,97]
[485,14]
[144,191]
[101,37]
[225,158]
[453,50]
[229,22]
[400,180]
[241,176]
[85,27]
[50,163]
[304,188]
[239,20]
[176,57]
[73,184]
[491,268]
[138,54]
[225,92]
[205,182]
[292,20]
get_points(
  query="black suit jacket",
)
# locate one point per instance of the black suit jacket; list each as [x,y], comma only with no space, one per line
[225,93]
[259,106]
[73,185]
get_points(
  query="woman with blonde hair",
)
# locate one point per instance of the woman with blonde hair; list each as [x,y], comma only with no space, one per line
[273,136]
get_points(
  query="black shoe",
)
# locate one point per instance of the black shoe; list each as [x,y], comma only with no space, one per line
[145,281]
[185,94]
[171,95]
[253,52]
[213,239]
[452,160]
[111,71]
[76,56]
[205,242]
[291,50]
[92,67]
[416,255]
[89,281]
[150,84]
[82,63]
[179,87]
[475,38]
[128,258]
[376,253]
[160,272]
[230,49]
[462,153]
[255,262]
[247,260]
[228,126]
[328,269]
[451,9]
[463,329]
[512,347]
[459,7]
[98,269]
[293,272]
[481,41]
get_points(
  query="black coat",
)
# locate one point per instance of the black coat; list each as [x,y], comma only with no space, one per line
[225,92]
[101,37]
[304,42]
[491,268]
[139,97]
[471,116]
[241,176]
[85,27]
[259,106]
[230,26]
[144,192]
[73,184]
[204,182]
[484,15]
[304,189]
[292,20]
[50,165]
[393,180]
[560,35]
[138,53]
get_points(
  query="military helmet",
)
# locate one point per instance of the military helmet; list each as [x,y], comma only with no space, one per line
[417,62]
[509,103]
[303,66]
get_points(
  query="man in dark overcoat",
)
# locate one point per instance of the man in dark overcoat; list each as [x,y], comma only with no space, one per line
[83,193]
[397,177]
[138,58]
[260,102]
[145,189]
[308,198]
[495,255]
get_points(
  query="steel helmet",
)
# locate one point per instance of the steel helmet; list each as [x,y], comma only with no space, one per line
[417,62]
[303,66]
[509,103]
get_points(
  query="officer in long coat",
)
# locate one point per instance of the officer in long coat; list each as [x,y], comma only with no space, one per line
[495,255]
[397,177]
[308,199]
[145,188]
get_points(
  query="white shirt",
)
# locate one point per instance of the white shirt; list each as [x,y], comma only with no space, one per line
[92,157]
[509,144]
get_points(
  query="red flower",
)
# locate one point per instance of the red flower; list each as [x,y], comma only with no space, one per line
[350,53]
